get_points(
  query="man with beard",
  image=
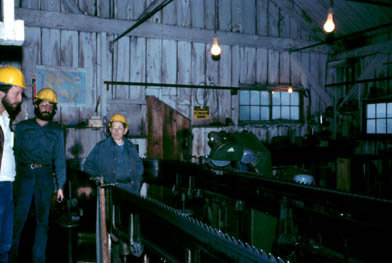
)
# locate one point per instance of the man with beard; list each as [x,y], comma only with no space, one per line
[12,84]
[39,151]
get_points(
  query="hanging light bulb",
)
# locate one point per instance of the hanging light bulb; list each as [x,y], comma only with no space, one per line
[329,25]
[290,90]
[215,48]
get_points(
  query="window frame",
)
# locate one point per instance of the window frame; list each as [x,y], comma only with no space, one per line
[364,119]
[280,88]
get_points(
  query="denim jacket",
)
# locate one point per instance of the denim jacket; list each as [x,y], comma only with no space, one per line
[102,162]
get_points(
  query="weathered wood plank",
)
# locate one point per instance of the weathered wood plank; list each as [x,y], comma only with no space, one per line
[31,4]
[236,16]
[224,96]
[69,6]
[183,12]
[262,17]
[138,8]
[88,60]
[69,46]
[35,18]
[224,13]
[235,79]
[262,66]
[88,7]
[210,16]
[198,75]
[248,65]
[123,68]
[284,25]
[212,71]
[273,66]
[49,5]
[138,66]
[197,13]
[284,67]
[157,18]
[154,66]
[123,9]
[184,77]
[295,72]
[169,14]
[169,71]
[273,20]
[31,58]
[51,45]
[249,16]
[104,8]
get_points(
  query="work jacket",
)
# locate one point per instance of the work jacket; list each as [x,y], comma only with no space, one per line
[102,161]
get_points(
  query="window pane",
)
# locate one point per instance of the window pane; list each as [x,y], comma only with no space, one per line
[244,113]
[381,126]
[275,112]
[389,110]
[286,112]
[254,113]
[264,113]
[276,98]
[285,98]
[244,97]
[371,111]
[295,113]
[254,97]
[265,98]
[295,98]
[389,126]
[381,110]
[371,126]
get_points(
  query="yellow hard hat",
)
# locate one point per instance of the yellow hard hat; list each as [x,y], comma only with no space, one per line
[120,118]
[47,94]
[12,76]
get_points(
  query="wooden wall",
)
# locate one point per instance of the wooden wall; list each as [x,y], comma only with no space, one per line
[171,47]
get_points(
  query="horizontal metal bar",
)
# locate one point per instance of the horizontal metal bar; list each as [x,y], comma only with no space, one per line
[357,81]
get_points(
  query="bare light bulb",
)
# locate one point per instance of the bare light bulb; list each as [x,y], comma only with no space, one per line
[215,48]
[290,90]
[329,25]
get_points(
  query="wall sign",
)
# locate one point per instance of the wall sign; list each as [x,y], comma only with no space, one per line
[201,113]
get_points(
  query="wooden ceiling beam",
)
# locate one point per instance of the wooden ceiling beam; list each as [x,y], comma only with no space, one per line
[55,20]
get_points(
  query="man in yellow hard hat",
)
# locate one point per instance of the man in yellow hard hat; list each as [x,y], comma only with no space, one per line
[12,84]
[39,151]
[117,160]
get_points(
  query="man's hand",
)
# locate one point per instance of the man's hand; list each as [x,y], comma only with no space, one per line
[60,195]
[84,191]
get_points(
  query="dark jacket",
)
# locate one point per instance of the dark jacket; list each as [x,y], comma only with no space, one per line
[102,162]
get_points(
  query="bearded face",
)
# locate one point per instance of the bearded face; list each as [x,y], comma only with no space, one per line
[44,111]
[12,101]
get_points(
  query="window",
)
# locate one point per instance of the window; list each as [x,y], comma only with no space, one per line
[378,118]
[266,105]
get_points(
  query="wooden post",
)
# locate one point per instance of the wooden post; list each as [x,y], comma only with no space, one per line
[104,234]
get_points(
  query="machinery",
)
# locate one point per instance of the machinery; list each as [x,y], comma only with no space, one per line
[239,151]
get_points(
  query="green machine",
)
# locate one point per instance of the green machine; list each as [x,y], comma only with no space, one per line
[239,151]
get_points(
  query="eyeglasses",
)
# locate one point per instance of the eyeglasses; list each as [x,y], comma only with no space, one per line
[117,128]
[46,104]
